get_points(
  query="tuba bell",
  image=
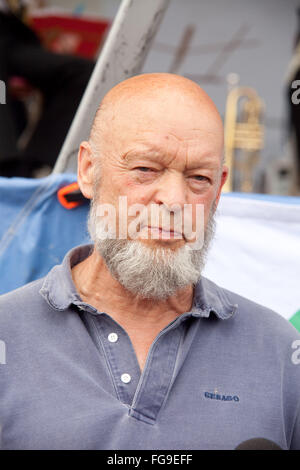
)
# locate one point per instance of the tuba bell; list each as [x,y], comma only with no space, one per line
[244,137]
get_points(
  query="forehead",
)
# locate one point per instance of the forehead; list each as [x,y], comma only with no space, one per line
[182,130]
[169,149]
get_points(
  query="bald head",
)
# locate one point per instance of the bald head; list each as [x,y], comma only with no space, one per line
[158,123]
[157,86]
[156,99]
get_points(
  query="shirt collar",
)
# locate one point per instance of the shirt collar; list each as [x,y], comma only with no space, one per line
[59,290]
[210,298]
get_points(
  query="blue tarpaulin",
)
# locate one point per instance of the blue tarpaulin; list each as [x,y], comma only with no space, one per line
[36,231]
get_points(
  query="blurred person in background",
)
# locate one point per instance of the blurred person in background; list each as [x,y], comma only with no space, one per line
[293,75]
[61,78]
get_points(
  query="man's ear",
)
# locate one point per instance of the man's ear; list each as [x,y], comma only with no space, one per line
[224,177]
[85,169]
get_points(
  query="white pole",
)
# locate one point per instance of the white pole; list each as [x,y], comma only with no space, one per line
[122,56]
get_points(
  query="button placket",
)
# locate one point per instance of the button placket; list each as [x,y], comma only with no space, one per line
[121,357]
[156,380]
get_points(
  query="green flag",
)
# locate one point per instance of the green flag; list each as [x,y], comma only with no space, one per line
[295,320]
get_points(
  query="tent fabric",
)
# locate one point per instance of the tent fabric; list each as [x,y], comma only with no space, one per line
[35,230]
[256,250]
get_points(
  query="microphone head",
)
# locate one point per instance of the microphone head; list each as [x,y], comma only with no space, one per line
[258,443]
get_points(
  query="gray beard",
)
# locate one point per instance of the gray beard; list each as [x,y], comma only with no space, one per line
[151,272]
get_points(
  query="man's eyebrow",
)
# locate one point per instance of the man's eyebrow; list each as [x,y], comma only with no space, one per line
[145,153]
[204,164]
[152,154]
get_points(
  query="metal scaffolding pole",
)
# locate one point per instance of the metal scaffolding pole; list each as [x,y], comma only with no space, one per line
[122,56]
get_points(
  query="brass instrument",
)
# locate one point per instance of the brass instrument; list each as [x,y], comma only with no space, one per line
[244,135]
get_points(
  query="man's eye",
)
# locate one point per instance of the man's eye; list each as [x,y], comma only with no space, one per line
[200,178]
[144,169]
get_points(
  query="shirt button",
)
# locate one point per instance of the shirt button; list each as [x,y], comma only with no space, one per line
[125,378]
[112,337]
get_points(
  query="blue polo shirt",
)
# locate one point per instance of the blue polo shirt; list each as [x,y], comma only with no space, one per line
[224,372]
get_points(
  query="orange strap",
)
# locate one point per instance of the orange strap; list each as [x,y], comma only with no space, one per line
[65,191]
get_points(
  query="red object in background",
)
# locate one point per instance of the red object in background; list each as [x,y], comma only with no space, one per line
[19,87]
[70,35]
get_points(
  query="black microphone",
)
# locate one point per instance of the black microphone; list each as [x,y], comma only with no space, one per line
[258,443]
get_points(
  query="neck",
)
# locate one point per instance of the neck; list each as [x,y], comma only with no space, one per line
[97,287]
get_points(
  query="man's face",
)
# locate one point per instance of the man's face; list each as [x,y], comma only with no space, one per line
[164,154]
[158,158]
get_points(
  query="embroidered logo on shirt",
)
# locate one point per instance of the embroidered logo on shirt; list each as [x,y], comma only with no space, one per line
[221,397]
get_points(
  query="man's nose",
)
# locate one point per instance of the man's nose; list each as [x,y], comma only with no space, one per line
[171,191]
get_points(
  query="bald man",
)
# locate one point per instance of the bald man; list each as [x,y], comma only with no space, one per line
[125,345]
